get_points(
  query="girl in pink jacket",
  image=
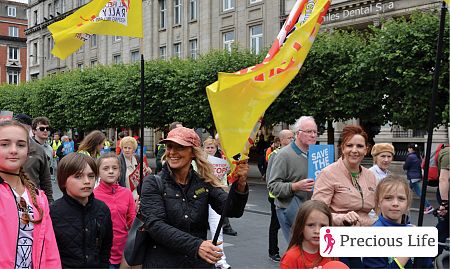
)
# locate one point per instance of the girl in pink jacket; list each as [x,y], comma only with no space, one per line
[120,202]
[27,238]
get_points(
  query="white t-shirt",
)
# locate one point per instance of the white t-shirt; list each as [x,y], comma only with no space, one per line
[25,240]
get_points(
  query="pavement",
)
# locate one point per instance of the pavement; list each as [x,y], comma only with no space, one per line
[249,249]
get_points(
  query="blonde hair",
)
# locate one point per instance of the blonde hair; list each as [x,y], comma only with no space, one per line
[204,168]
[209,141]
[128,140]
[389,185]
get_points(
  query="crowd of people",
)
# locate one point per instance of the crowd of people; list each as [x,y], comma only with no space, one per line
[89,225]
[102,195]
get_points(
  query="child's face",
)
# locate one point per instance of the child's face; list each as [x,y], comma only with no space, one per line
[210,149]
[109,170]
[311,232]
[79,186]
[394,204]
[13,148]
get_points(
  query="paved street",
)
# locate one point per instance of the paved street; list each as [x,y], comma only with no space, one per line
[249,248]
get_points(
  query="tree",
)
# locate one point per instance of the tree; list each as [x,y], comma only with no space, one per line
[404,52]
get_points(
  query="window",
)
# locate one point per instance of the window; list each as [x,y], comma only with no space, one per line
[192,10]
[93,62]
[50,44]
[80,66]
[117,59]
[176,12]
[13,53]
[254,1]
[11,11]
[162,14]
[117,38]
[193,48]
[34,53]
[57,7]
[13,77]
[35,17]
[228,40]
[50,11]
[80,3]
[13,31]
[228,5]
[93,41]
[177,50]
[162,52]
[256,38]
[134,56]
[63,6]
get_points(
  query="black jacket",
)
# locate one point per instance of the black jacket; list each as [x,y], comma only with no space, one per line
[83,233]
[413,166]
[177,219]
[37,168]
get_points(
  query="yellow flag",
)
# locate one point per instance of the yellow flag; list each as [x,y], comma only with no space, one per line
[105,17]
[239,100]
[447,1]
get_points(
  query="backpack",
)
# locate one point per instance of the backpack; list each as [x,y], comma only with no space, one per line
[433,173]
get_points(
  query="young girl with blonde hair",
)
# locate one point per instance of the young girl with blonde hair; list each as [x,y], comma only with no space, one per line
[27,239]
[392,202]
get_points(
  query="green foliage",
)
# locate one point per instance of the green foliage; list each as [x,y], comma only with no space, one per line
[379,75]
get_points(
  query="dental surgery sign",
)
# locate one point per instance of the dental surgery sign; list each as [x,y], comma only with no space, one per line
[406,241]
[319,157]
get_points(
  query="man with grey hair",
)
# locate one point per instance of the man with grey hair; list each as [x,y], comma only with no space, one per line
[289,171]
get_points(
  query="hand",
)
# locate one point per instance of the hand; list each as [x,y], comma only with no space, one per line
[147,170]
[442,211]
[350,219]
[303,185]
[210,253]
[241,175]
[138,204]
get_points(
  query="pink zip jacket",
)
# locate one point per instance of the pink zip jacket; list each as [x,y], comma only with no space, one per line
[45,252]
[123,210]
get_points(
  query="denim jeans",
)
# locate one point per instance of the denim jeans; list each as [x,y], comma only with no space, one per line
[285,227]
[418,190]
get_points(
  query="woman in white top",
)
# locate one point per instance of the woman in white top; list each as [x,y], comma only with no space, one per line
[383,154]
[129,163]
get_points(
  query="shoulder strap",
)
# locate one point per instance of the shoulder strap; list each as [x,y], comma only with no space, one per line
[159,183]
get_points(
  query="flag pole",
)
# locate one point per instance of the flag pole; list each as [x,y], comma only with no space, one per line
[141,153]
[431,118]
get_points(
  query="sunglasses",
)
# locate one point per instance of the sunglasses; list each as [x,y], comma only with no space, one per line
[42,129]
[25,218]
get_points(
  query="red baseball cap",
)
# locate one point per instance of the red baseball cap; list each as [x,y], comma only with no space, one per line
[183,136]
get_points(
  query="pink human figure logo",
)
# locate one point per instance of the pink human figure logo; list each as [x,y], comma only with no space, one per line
[330,241]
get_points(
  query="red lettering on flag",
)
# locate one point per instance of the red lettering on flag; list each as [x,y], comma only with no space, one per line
[297,46]
[259,77]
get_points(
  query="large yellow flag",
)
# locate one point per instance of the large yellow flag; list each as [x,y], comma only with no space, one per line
[239,100]
[105,17]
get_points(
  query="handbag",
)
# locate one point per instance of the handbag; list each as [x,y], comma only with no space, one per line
[138,239]
[290,212]
[137,243]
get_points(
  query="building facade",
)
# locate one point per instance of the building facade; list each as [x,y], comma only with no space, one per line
[13,47]
[187,28]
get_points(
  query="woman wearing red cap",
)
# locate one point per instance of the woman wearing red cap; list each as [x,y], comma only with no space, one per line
[176,216]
